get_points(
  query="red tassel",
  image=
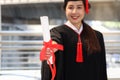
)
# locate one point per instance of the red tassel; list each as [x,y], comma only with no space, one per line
[79,57]
[87,7]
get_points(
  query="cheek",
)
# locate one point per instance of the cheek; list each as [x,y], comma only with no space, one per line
[67,13]
[82,13]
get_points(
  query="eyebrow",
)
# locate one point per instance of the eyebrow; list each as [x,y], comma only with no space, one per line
[77,5]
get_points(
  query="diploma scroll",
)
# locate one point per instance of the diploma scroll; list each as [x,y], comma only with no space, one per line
[46,31]
[45,27]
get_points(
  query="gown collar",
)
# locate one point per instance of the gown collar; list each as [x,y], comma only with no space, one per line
[69,24]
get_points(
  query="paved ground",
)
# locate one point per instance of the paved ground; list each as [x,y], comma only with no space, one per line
[20,75]
[113,74]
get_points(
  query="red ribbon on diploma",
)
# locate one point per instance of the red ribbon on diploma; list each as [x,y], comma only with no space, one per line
[43,55]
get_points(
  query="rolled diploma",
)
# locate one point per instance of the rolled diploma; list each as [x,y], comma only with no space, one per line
[45,27]
[46,31]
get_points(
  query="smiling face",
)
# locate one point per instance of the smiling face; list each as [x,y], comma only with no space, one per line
[75,12]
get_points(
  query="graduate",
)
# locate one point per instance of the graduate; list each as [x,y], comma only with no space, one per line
[83,57]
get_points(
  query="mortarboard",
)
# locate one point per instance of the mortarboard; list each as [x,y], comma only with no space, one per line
[86,3]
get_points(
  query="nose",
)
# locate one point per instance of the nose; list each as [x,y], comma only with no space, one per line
[74,11]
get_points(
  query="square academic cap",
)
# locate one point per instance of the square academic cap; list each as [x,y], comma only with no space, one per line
[87,5]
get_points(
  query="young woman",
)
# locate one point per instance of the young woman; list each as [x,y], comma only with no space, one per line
[83,57]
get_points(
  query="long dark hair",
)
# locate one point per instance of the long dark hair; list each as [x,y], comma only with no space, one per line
[90,38]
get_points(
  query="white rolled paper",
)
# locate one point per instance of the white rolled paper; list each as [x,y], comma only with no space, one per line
[46,32]
[45,27]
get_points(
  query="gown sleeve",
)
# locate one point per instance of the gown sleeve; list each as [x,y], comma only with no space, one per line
[102,69]
[56,35]
[45,70]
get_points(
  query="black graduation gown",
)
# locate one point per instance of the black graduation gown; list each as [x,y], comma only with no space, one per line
[93,67]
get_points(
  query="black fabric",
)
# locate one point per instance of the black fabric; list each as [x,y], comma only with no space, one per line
[45,71]
[93,67]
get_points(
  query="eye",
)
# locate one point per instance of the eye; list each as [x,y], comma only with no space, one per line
[70,7]
[79,7]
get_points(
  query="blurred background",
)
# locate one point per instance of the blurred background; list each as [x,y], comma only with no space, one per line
[21,34]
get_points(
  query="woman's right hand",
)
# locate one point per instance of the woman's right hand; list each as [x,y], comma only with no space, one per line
[49,51]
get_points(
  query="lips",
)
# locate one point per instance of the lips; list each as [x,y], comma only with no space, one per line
[74,17]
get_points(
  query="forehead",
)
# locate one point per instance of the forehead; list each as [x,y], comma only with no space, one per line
[75,2]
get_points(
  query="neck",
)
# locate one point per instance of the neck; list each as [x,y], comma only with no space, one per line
[78,26]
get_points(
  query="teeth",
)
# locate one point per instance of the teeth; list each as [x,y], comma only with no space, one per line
[74,17]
